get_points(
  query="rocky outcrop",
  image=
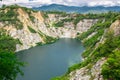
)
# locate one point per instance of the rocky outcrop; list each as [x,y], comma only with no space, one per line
[93,72]
[89,74]
[43,27]
[69,30]
[85,24]
[26,38]
[115,27]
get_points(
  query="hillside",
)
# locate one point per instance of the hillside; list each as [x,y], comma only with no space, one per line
[22,28]
[102,54]
[34,27]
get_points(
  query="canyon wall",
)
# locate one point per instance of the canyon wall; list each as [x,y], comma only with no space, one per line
[42,28]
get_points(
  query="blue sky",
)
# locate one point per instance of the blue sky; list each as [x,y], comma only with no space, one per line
[35,3]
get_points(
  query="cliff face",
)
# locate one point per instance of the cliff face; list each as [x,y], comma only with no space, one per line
[89,74]
[94,71]
[69,29]
[26,37]
[37,29]
[34,27]
[115,27]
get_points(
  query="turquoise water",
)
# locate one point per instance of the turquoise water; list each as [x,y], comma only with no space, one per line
[51,60]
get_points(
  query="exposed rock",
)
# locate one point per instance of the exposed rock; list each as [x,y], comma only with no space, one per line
[89,74]
[91,35]
[40,24]
[85,24]
[115,27]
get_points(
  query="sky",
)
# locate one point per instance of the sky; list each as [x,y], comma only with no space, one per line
[36,3]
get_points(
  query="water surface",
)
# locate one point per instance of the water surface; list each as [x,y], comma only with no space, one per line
[51,60]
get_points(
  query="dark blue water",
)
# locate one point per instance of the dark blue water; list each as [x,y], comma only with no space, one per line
[48,61]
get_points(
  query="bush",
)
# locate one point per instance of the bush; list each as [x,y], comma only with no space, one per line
[31,29]
[32,18]
[111,69]
[9,64]
[59,24]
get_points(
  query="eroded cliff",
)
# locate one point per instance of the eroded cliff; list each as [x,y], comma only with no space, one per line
[35,28]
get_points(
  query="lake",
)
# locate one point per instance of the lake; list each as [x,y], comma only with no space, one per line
[50,60]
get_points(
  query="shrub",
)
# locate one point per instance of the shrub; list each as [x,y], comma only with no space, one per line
[9,64]
[31,29]
[111,69]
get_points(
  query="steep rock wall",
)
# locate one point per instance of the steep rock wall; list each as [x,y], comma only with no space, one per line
[39,24]
[89,74]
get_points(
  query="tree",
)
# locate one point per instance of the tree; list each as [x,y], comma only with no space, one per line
[111,69]
[9,66]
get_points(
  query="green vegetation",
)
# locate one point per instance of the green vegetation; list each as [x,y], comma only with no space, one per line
[29,11]
[63,14]
[65,77]
[39,43]
[31,29]
[78,18]
[8,15]
[11,7]
[68,20]
[44,14]
[103,50]
[59,24]
[105,19]
[98,27]
[58,14]
[9,64]
[111,69]
[46,39]
[32,18]
[96,16]
[6,42]
[118,17]
[109,48]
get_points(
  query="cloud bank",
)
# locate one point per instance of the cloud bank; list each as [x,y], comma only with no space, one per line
[36,3]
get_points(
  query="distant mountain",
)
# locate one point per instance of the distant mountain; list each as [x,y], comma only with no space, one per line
[72,9]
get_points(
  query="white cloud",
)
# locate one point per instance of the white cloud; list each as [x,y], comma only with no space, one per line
[103,3]
[30,3]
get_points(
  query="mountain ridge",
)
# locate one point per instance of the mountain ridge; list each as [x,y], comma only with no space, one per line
[77,9]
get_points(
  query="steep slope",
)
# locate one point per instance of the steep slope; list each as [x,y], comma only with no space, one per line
[25,28]
[35,27]
[98,32]
[106,53]
[102,54]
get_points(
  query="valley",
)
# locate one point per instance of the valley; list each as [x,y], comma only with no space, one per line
[22,28]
